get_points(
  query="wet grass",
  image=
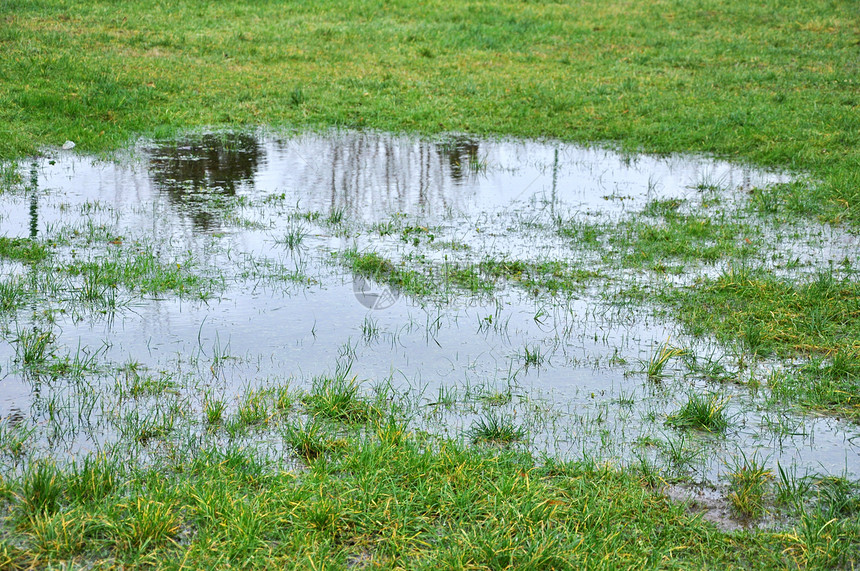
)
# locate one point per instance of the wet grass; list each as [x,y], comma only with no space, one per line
[403,502]
[371,490]
[417,276]
[701,412]
[820,314]
[553,276]
[369,487]
[816,317]
[749,484]
[655,367]
[338,397]
[22,250]
[139,271]
[34,346]
[394,498]
[680,238]
[496,428]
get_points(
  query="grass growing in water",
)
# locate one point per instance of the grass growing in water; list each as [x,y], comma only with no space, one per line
[768,315]
[14,438]
[96,73]
[819,315]
[533,357]
[496,427]
[139,271]
[294,237]
[309,439]
[33,346]
[338,398]
[701,412]
[655,366]
[22,250]
[213,410]
[456,506]
[41,490]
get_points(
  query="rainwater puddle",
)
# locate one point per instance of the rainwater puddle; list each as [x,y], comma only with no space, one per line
[228,263]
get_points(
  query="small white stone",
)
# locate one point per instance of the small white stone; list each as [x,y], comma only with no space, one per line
[68,145]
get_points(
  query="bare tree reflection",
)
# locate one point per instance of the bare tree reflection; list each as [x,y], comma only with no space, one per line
[373,173]
[462,155]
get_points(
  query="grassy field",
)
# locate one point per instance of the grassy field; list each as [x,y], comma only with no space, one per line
[774,83]
[769,83]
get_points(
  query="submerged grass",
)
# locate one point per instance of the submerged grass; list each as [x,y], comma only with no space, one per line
[140,271]
[818,317]
[22,249]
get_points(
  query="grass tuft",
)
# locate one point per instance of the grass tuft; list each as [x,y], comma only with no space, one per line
[495,427]
[655,367]
[701,412]
[41,489]
[22,250]
[309,439]
[33,346]
[338,398]
[748,485]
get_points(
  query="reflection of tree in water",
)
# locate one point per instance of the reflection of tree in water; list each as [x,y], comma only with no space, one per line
[197,169]
[376,173]
[462,155]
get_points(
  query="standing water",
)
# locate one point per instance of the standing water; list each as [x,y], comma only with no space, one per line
[466,277]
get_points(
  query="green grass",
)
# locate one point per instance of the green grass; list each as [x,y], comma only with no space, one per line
[418,277]
[817,317]
[40,491]
[748,483]
[338,397]
[254,409]
[553,276]
[701,412]
[294,237]
[769,84]
[22,249]
[775,85]
[533,356]
[15,438]
[139,271]
[13,292]
[415,276]
[682,238]
[34,346]
[408,503]
[655,366]
[372,265]
[829,384]
[309,439]
[213,410]
[497,428]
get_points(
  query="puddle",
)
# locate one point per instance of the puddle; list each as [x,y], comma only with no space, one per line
[264,220]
